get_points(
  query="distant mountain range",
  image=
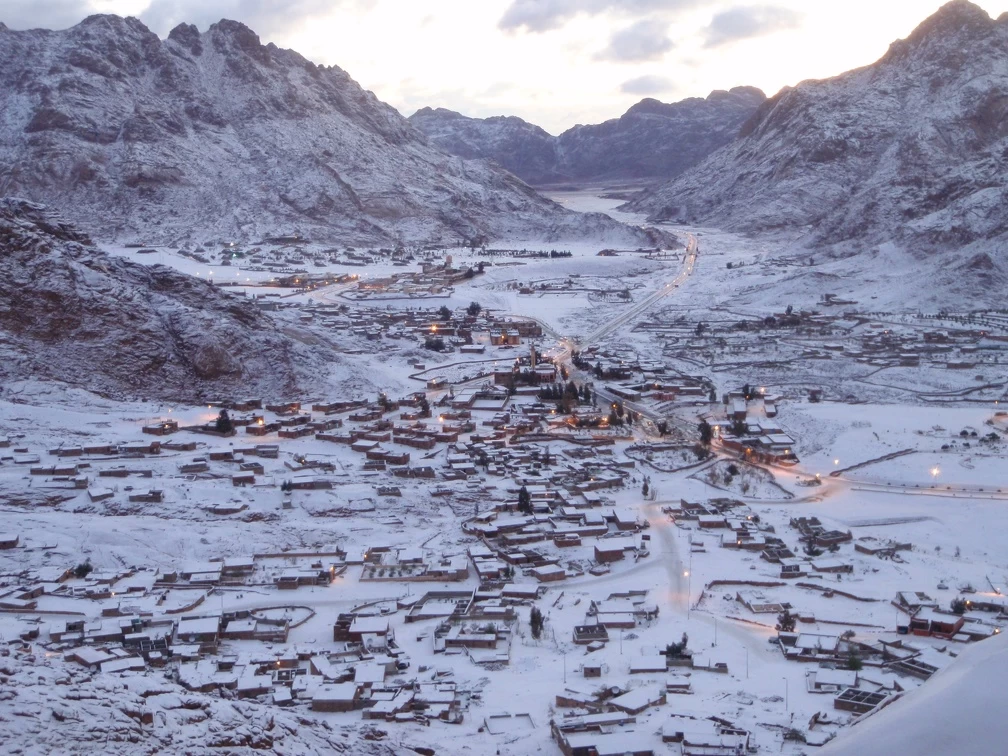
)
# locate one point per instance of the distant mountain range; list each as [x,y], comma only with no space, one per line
[652,141]
[912,149]
[215,135]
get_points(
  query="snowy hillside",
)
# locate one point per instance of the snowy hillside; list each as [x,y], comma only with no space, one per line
[651,141]
[951,714]
[71,313]
[911,149]
[216,133]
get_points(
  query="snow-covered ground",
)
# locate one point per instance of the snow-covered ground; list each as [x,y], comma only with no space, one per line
[904,475]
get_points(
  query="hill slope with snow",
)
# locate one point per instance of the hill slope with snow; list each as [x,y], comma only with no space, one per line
[136,137]
[953,713]
[912,149]
[74,314]
[652,141]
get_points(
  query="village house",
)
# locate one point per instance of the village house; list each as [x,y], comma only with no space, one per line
[930,622]
[337,698]
[202,630]
[614,741]
[858,701]
[711,736]
[9,540]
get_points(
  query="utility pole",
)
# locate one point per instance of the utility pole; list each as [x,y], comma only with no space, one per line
[689,581]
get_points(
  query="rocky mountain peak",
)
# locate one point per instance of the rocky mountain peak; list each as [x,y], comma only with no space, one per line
[954,15]
[188,36]
[944,30]
[755,92]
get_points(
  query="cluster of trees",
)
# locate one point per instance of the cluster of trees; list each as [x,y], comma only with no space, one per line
[567,397]
[434,343]
[618,416]
[786,621]
[677,650]
[223,424]
[600,373]
[83,569]
[580,362]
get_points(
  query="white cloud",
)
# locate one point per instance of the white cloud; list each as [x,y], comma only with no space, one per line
[647,85]
[749,21]
[545,15]
[646,39]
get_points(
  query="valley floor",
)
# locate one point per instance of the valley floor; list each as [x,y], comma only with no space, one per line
[209,612]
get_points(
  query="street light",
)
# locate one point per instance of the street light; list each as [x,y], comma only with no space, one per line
[786,706]
[689,582]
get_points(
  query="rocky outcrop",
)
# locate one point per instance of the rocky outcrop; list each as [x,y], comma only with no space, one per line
[74,314]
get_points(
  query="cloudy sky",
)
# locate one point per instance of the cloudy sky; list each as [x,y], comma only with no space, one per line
[553,62]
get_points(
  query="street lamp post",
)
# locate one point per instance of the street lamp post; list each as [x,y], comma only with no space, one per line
[786,705]
[689,584]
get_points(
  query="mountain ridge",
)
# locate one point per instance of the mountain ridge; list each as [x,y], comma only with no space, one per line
[215,133]
[652,140]
[912,149]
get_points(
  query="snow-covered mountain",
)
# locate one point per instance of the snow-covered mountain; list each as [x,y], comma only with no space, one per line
[521,147]
[133,136]
[912,149]
[74,314]
[652,141]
